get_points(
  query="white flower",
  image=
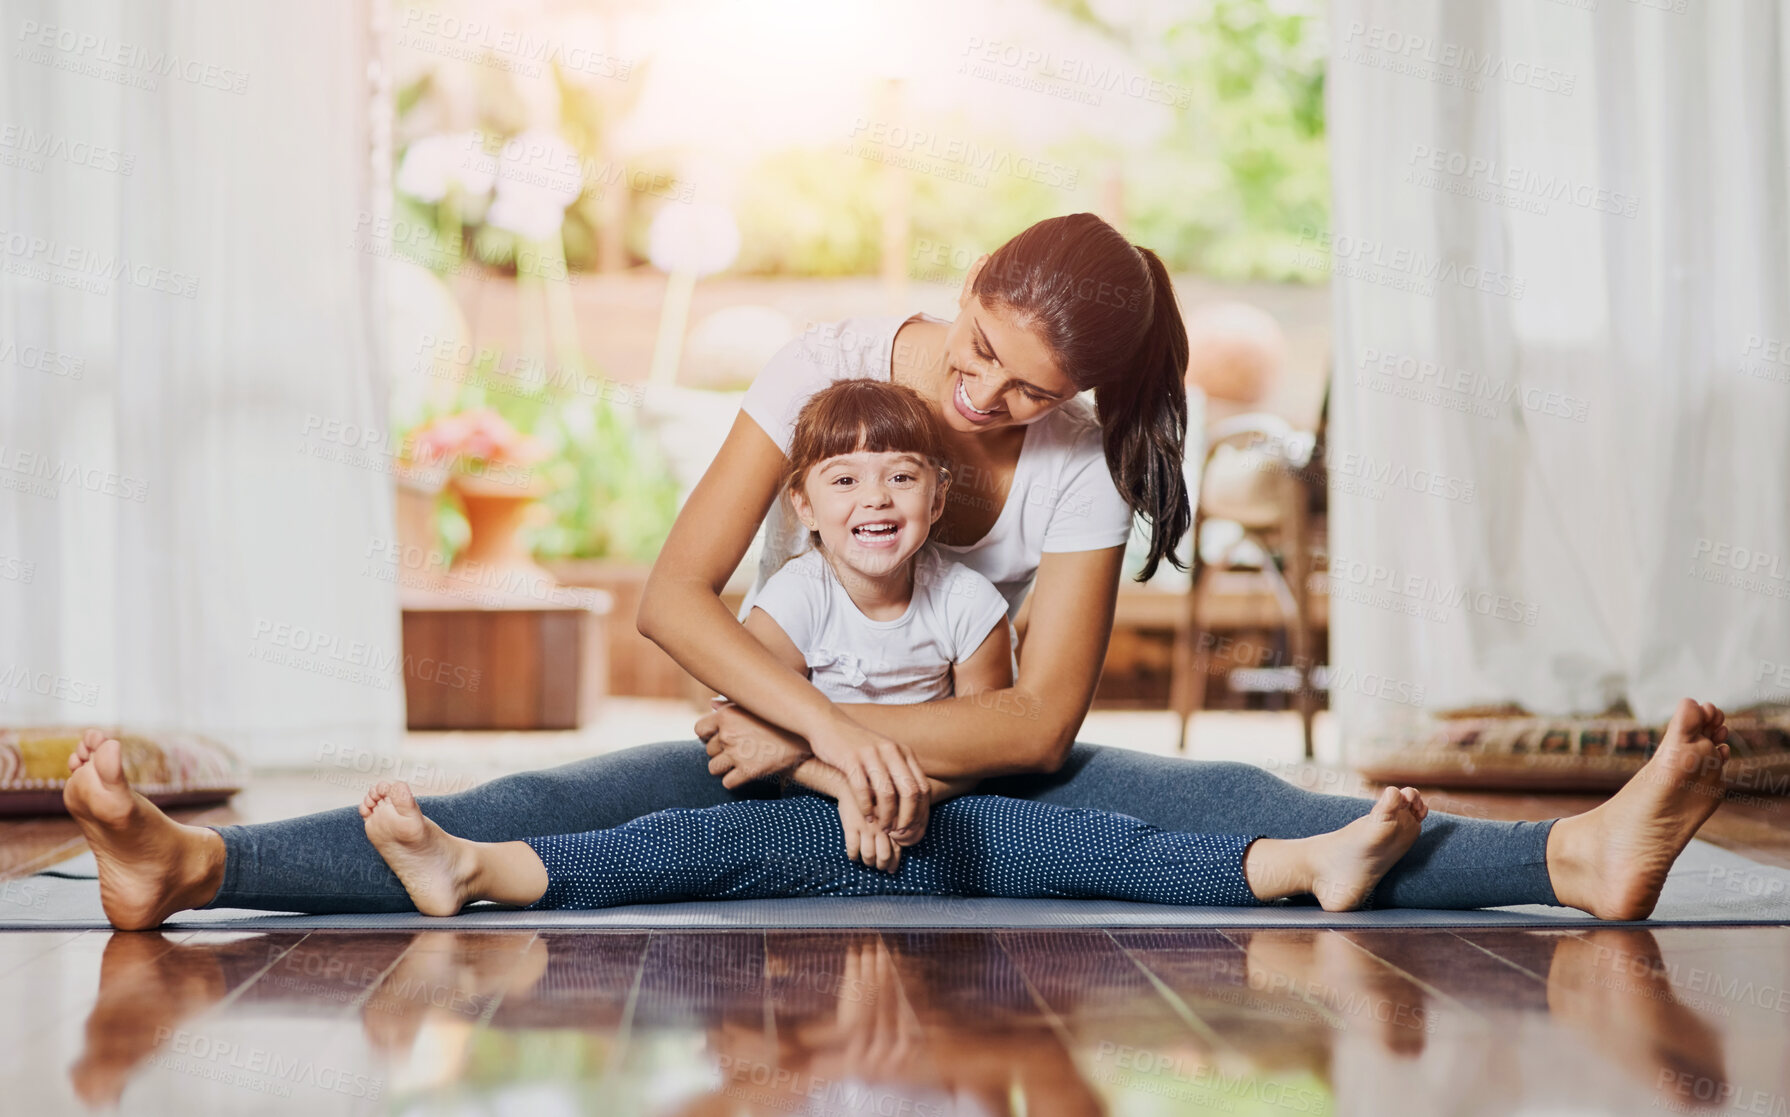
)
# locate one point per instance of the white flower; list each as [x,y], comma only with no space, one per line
[434,163]
[539,174]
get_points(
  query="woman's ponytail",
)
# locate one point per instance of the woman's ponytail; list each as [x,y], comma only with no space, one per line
[1107,310]
[1143,421]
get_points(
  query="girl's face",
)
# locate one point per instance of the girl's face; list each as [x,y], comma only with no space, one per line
[998,372]
[873,509]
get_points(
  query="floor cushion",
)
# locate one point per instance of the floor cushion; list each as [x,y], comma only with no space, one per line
[1526,753]
[171,769]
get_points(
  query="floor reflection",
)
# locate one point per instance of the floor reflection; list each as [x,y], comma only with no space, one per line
[922,1023]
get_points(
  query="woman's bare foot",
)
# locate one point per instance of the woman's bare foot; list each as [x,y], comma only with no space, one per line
[1339,868]
[1612,860]
[149,865]
[437,868]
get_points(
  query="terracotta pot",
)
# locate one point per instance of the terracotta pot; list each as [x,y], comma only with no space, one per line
[495,556]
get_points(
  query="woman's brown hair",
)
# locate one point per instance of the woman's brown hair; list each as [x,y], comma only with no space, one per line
[1106,308]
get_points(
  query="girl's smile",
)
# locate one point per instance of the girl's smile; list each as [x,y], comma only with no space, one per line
[873,510]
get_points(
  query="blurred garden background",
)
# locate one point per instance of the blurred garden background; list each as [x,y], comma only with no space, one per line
[607,214]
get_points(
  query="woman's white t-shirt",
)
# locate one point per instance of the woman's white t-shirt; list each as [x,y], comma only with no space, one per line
[852,658]
[1062,497]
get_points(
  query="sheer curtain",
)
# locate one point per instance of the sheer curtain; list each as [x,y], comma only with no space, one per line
[1560,453]
[193,484]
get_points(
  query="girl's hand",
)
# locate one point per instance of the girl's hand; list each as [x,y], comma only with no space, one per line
[885,780]
[744,747]
[865,842]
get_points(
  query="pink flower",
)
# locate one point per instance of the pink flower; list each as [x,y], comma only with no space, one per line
[480,435]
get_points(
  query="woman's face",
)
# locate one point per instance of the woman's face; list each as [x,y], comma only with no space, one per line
[997,371]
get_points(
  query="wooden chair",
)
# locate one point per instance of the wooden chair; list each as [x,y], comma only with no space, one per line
[1259,473]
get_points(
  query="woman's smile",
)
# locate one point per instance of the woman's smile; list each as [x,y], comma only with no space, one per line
[969,410]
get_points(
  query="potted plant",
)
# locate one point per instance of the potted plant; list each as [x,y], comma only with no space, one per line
[493,472]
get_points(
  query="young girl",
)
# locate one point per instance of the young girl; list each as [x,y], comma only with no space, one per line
[871,614]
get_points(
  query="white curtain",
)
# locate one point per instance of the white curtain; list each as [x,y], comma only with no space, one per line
[193,486]
[1560,459]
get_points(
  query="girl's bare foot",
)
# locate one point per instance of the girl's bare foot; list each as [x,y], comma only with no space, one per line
[437,868]
[1612,860]
[1339,868]
[149,865]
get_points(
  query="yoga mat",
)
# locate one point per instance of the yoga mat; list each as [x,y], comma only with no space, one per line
[1709,885]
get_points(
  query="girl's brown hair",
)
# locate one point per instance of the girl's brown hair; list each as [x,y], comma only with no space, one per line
[850,416]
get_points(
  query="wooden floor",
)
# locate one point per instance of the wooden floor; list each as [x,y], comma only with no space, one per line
[901,1024]
[1070,1022]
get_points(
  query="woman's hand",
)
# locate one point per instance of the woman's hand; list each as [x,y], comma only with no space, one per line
[744,747]
[882,777]
[885,780]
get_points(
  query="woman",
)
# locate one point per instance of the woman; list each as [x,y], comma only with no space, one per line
[1049,486]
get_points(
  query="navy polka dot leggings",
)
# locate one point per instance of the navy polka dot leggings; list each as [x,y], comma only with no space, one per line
[977,845]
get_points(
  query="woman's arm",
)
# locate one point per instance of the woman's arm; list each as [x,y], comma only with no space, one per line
[681,611]
[1027,727]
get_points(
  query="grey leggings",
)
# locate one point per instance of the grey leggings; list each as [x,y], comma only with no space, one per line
[324,863]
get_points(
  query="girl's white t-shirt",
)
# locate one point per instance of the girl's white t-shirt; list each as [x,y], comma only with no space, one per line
[852,658]
[1062,497]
